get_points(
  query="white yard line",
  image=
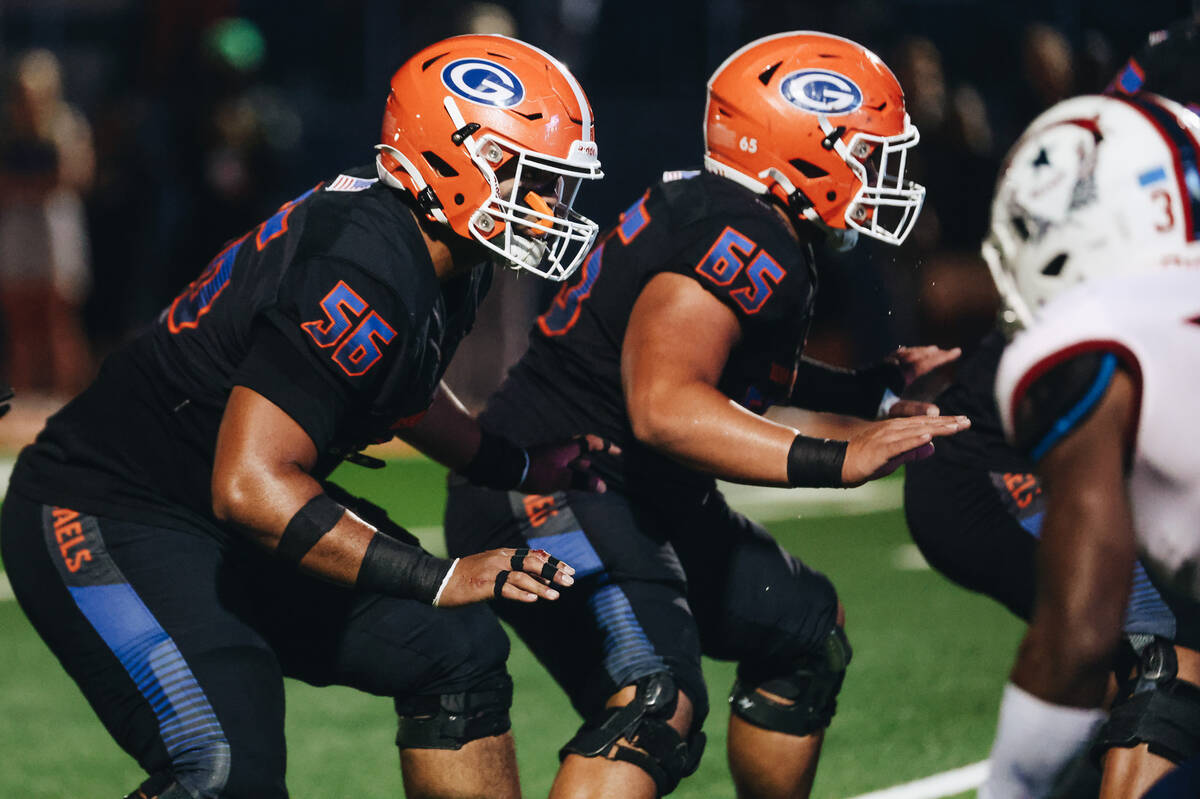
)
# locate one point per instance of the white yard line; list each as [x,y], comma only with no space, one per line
[948,783]
[780,504]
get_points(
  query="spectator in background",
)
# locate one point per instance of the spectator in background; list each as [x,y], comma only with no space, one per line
[1047,71]
[953,295]
[46,163]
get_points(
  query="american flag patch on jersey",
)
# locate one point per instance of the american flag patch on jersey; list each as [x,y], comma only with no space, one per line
[347,183]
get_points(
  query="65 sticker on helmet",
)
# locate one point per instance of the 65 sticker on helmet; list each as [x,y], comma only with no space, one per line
[484,82]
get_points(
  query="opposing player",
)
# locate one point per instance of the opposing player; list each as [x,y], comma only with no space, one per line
[170,533]
[1099,191]
[686,321]
[976,507]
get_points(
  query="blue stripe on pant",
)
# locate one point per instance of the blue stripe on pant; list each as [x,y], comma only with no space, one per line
[628,653]
[190,730]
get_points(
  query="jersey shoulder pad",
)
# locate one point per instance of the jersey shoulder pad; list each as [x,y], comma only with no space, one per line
[1057,400]
[749,263]
[346,319]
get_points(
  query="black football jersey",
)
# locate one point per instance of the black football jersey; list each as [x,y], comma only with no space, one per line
[330,309]
[972,395]
[708,228]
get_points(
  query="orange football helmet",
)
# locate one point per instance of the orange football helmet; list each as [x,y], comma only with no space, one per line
[493,137]
[817,121]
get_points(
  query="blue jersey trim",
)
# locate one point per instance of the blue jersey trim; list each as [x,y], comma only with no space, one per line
[1108,367]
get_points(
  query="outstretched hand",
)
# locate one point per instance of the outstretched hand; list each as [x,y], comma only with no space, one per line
[518,574]
[882,447]
[565,465]
[915,362]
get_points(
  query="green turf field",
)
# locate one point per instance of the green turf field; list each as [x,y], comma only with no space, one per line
[920,697]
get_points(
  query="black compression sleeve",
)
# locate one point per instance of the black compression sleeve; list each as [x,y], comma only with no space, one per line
[821,387]
[402,570]
[816,462]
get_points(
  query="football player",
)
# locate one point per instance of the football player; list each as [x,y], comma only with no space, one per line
[1101,191]
[684,323]
[976,507]
[171,535]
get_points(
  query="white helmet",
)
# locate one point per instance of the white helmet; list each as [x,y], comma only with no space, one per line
[1096,185]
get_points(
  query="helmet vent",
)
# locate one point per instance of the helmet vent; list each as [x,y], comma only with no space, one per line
[765,76]
[439,164]
[724,112]
[1022,229]
[430,62]
[808,168]
[500,55]
[1055,266]
[530,117]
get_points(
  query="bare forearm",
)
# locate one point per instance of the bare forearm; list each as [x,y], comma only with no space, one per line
[261,503]
[1067,652]
[705,430]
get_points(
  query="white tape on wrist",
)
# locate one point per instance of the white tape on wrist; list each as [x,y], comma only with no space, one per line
[438,596]
[885,405]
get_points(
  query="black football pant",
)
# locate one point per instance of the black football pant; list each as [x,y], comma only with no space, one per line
[657,585]
[180,645]
[980,529]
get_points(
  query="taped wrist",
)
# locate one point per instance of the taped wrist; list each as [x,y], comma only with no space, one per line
[305,529]
[816,462]
[821,387]
[397,569]
[497,463]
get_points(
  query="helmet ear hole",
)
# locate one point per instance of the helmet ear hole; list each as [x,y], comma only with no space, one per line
[808,168]
[1055,265]
[439,165]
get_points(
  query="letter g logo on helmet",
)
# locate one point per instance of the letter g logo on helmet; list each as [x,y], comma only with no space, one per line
[483,82]
[820,91]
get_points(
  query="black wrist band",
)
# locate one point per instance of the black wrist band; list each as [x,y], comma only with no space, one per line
[396,569]
[816,462]
[305,529]
[497,463]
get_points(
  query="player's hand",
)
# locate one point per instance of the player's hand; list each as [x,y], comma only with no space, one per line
[518,574]
[881,448]
[915,362]
[904,408]
[565,465]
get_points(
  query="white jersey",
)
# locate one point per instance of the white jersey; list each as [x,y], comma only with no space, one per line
[1151,323]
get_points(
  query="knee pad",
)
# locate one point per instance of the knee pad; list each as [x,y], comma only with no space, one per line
[657,748]
[1154,708]
[810,691]
[448,721]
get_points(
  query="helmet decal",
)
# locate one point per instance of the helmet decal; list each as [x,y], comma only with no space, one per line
[819,91]
[484,82]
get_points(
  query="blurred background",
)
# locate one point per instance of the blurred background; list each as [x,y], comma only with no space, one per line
[137,136]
